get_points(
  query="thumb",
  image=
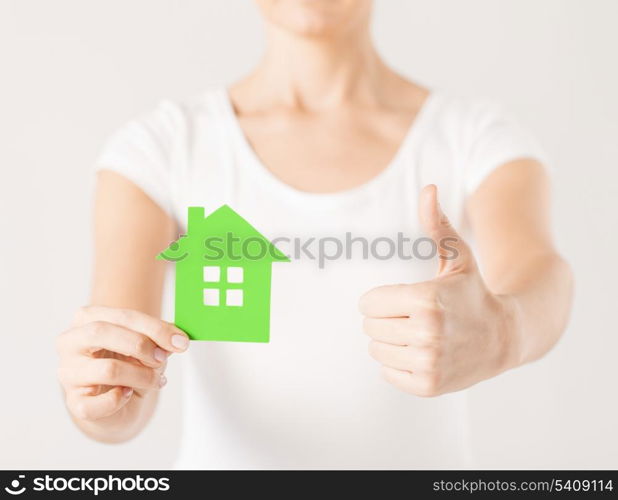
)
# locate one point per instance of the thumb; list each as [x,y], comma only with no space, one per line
[454,253]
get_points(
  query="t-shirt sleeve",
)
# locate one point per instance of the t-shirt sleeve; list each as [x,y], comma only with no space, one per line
[142,151]
[495,138]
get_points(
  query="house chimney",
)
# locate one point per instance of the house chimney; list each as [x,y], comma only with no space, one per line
[196,216]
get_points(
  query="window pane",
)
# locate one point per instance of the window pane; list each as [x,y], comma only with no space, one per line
[211,297]
[212,274]
[233,298]
[234,275]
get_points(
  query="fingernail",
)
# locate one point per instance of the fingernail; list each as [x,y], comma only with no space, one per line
[162,381]
[160,354]
[126,392]
[180,342]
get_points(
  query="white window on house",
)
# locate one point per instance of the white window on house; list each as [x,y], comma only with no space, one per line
[212,274]
[234,275]
[233,297]
[211,296]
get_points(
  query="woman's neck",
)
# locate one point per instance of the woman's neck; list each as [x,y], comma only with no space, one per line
[317,73]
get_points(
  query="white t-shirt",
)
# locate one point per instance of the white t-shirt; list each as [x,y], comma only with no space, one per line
[313,397]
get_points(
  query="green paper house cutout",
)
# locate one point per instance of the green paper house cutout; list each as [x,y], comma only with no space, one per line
[223,277]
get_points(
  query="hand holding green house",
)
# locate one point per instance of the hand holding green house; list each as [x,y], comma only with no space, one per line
[223,277]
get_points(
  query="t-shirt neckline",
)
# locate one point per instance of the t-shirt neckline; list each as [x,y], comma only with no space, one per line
[256,167]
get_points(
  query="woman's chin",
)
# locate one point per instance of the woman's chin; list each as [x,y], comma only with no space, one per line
[316,18]
[313,28]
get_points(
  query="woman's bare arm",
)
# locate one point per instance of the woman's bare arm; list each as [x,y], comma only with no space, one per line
[113,357]
[472,322]
[130,230]
[510,217]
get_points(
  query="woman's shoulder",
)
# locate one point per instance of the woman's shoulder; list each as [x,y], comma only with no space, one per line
[483,133]
[465,110]
[171,123]
[203,105]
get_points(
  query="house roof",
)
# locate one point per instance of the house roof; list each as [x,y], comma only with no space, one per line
[218,235]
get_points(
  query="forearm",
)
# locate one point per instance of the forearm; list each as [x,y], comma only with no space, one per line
[118,341]
[540,292]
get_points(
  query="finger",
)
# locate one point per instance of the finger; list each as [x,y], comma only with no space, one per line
[400,331]
[164,334]
[394,331]
[390,355]
[454,254]
[100,406]
[397,301]
[409,382]
[109,371]
[400,357]
[99,335]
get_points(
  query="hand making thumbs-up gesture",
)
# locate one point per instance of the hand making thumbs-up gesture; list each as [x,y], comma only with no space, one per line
[445,334]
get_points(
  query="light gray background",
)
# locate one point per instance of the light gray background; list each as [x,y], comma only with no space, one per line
[73,70]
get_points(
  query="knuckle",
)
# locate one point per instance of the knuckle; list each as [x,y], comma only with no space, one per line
[437,314]
[79,410]
[371,348]
[143,345]
[97,328]
[386,374]
[430,361]
[404,384]
[444,222]
[79,315]
[368,301]
[429,385]
[367,325]
[436,318]
[431,296]
[430,338]
[161,330]
[374,349]
[124,316]
[164,331]
[114,400]
[153,378]
[409,293]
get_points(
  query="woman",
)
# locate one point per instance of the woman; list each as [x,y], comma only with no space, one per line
[322,140]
